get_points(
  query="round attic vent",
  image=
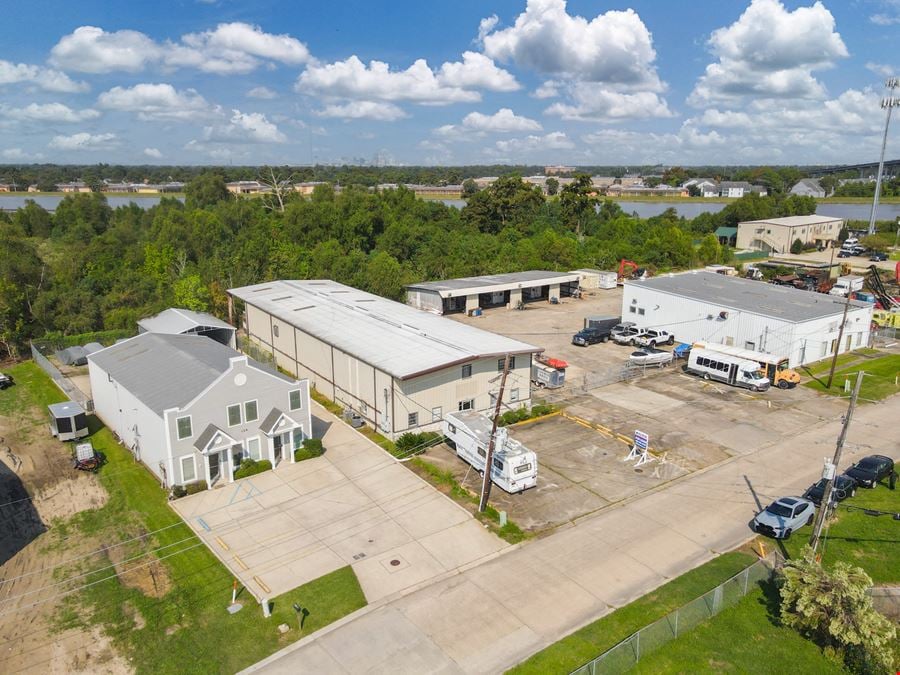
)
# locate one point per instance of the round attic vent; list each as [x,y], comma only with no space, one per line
[240,379]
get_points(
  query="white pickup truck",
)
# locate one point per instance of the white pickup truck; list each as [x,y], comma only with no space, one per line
[654,337]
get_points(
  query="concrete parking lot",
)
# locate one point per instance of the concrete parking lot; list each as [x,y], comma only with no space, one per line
[355,505]
[693,424]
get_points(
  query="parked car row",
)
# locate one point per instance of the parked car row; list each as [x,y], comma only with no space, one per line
[785,515]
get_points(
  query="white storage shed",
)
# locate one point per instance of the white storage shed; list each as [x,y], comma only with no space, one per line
[590,279]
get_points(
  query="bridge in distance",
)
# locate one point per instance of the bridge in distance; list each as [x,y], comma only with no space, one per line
[891,168]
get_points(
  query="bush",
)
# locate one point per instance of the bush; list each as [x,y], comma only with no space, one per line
[178,492]
[797,247]
[522,414]
[251,467]
[194,488]
[312,447]
[409,441]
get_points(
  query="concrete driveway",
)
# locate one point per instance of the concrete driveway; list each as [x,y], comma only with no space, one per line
[355,505]
[493,615]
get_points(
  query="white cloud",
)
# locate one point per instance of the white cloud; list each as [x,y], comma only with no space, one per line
[476,71]
[555,140]
[44,78]
[244,128]
[614,47]
[153,153]
[228,49]
[882,69]
[353,79]
[13,153]
[156,102]
[485,26]
[502,121]
[262,93]
[373,110]
[89,49]
[48,112]
[84,141]
[549,89]
[236,48]
[770,52]
[885,19]
[591,102]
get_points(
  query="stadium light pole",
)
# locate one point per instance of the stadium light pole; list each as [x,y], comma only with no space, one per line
[889,102]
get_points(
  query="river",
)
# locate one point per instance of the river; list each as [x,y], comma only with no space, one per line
[10,202]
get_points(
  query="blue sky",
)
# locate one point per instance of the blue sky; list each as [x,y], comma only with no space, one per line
[513,81]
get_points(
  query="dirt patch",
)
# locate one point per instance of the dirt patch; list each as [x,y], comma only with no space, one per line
[132,613]
[145,574]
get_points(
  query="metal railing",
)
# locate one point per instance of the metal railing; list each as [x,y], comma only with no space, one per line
[627,653]
[68,387]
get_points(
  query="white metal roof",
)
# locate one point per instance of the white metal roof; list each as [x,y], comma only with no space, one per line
[174,321]
[793,221]
[494,282]
[393,337]
[747,295]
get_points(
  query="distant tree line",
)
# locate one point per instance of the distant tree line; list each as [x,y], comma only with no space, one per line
[90,267]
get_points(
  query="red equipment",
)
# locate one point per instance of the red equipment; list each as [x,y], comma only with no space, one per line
[629,266]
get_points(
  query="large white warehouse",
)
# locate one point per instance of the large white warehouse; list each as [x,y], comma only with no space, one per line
[400,368]
[801,325]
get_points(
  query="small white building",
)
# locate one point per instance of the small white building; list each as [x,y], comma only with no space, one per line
[398,367]
[193,409]
[590,279]
[808,187]
[491,290]
[174,321]
[776,235]
[715,308]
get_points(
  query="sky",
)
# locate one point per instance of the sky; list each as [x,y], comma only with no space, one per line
[464,82]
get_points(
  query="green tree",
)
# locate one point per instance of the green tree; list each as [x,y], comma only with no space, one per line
[797,247]
[552,186]
[469,187]
[207,189]
[508,201]
[835,611]
[35,220]
[709,250]
[190,292]
[877,242]
[21,281]
[577,203]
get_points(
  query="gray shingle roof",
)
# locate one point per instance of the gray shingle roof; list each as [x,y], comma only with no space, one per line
[208,434]
[779,302]
[175,321]
[165,371]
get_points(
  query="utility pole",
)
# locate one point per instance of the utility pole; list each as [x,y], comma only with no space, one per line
[829,482]
[889,103]
[837,347]
[486,481]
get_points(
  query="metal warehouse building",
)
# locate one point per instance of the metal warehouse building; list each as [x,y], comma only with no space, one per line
[801,325]
[398,367]
[494,290]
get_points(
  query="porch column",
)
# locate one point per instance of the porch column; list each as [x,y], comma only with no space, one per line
[206,470]
[230,452]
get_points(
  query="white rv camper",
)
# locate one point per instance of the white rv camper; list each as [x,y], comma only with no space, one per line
[514,467]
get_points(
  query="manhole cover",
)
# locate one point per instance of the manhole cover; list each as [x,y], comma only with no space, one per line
[395,562]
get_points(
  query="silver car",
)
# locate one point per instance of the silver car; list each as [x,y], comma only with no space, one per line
[784,516]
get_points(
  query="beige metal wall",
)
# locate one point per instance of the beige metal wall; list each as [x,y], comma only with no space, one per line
[375,394]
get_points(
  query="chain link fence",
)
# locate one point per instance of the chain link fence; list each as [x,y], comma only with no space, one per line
[68,387]
[885,337]
[627,653]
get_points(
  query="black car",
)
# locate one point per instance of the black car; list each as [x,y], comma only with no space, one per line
[844,488]
[869,470]
[844,254]
[5,381]
[878,257]
[590,336]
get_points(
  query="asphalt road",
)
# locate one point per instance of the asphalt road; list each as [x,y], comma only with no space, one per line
[491,616]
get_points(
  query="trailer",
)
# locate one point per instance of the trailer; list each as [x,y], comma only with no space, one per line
[514,467]
[547,376]
[68,421]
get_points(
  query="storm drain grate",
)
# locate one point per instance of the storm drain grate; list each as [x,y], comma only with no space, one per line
[359,556]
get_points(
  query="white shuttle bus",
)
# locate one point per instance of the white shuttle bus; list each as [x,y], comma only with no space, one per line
[733,370]
[514,467]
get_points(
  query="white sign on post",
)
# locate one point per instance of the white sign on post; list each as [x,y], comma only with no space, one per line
[641,449]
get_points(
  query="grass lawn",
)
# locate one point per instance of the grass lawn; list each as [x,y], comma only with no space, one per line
[745,638]
[187,627]
[870,542]
[595,638]
[879,382]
